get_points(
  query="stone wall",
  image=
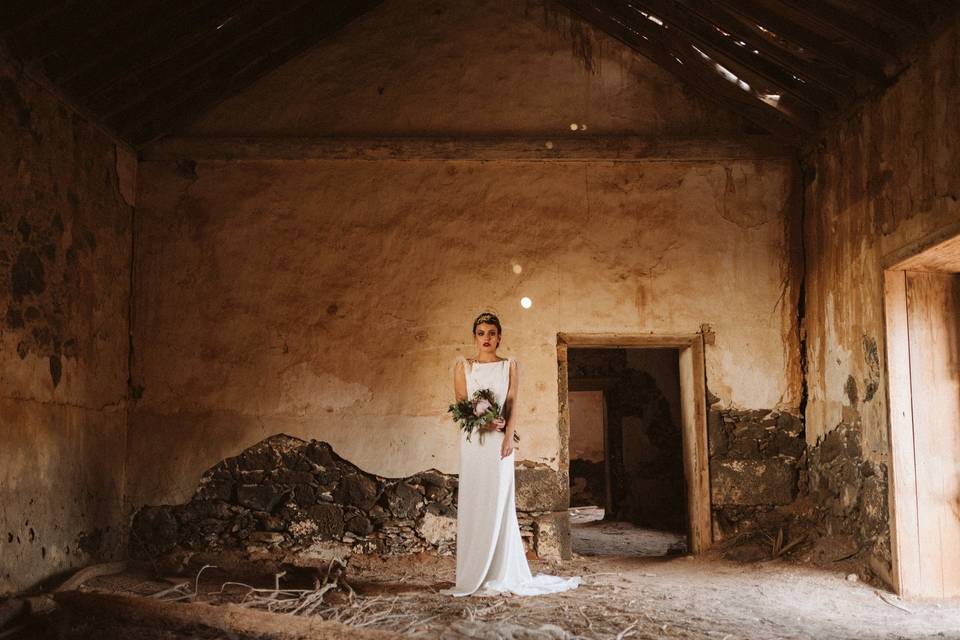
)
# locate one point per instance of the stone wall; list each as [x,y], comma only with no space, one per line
[882,179]
[757,467]
[65,242]
[292,496]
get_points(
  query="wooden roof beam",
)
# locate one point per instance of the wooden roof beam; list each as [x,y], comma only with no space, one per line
[246,60]
[768,15]
[141,44]
[871,41]
[199,48]
[691,71]
[808,72]
[705,35]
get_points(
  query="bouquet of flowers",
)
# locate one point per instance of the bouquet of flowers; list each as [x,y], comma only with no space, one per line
[476,413]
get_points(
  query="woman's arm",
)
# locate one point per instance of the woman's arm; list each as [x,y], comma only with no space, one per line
[459,381]
[506,448]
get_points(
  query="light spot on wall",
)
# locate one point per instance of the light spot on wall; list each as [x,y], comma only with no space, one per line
[517,268]
[526,302]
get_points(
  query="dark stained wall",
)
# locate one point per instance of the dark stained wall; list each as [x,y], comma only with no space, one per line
[64,294]
[885,178]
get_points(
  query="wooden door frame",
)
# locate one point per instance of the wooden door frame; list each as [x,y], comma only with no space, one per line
[693,411]
[902,504]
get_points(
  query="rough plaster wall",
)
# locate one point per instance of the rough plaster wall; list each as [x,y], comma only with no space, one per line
[443,67]
[64,293]
[586,425]
[328,299]
[885,178]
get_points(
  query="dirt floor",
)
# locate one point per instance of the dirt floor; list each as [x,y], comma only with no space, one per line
[621,596]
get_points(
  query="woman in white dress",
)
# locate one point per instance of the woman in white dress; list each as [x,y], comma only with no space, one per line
[490,555]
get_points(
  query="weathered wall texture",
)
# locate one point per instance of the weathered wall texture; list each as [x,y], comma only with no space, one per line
[885,178]
[328,299]
[443,67]
[64,294]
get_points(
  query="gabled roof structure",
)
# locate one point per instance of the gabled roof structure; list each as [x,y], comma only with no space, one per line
[789,66]
[143,68]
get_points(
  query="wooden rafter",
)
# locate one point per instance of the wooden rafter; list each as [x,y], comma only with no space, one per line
[820,15]
[806,71]
[768,16]
[681,61]
[708,37]
[263,51]
[85,27]
[147,81]
[144,45]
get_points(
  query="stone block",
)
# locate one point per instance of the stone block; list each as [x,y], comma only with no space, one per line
[552,535]
[753,482]
[437,529]
[540,488]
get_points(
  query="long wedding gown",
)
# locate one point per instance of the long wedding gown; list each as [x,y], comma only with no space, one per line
[490,555]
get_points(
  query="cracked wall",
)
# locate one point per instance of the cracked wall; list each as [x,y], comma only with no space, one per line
[64,294]
[328,299]
[882,179]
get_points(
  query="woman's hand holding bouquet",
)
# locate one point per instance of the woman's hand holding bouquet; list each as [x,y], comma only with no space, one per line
[480,413]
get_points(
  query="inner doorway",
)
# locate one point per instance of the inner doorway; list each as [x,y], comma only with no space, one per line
[922,308]
[634,430]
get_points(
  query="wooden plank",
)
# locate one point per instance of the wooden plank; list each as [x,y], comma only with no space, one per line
[206,620]
[911,252]
[728,49]
[152,32]
[694,435]
[692,71]
[933,313]
[176,53]
[257,53]
[902,483]
[565,148]
[820,15]
[72,21]
[620,340]
[768,14]
[733,25]
[563,394]
[607,472]
[943,258]
[706,72]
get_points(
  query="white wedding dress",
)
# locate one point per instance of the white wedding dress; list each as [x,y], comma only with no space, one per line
[490,555]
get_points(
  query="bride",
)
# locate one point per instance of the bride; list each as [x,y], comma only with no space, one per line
[490,554]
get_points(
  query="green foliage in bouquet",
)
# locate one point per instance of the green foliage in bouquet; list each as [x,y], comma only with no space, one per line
[475,412]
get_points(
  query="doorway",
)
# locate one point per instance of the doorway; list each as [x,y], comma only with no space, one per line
[633,430]
[922,310]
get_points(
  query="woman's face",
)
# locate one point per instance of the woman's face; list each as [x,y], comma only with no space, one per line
[487,338]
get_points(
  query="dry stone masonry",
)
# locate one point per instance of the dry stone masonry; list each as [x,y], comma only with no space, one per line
[756,463]
[287,494]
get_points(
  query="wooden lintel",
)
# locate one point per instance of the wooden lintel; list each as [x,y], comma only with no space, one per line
[568,147]
[623,340]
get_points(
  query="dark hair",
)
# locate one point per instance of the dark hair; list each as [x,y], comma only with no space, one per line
[487,318]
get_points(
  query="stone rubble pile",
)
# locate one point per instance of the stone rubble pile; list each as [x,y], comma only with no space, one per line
[289,494]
